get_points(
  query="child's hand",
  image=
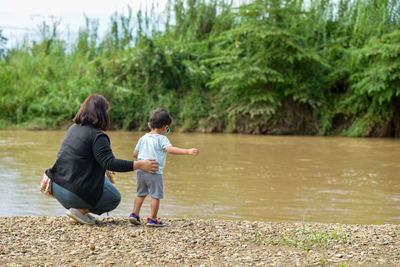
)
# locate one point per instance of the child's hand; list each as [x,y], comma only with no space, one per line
[194,151]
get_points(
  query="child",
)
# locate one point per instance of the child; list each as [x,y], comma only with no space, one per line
[154,145]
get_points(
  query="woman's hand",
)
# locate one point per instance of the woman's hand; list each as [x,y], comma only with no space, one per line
[110,176]
[148,165]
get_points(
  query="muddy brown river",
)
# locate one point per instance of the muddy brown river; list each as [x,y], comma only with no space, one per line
[249,177]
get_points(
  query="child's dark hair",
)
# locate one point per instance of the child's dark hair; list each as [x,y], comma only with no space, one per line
[159,118]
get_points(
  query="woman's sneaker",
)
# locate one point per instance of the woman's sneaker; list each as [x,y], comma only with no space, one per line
[78,216]
[133,219]
[91,217]
[154,223]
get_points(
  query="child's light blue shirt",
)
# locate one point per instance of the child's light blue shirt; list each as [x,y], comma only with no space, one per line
[152,146]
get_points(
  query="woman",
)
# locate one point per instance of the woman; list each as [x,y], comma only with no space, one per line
[78,175]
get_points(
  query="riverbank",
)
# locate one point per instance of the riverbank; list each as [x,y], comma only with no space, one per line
[48,241]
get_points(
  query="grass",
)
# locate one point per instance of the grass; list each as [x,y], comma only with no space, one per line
[184,218]
[323,261]
[257,238]
[305,238]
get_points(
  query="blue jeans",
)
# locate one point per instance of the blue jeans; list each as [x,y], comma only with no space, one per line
[109,200]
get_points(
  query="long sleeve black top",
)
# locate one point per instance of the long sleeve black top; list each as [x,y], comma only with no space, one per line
[84,156]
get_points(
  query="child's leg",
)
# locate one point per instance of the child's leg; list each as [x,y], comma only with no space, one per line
[142,191]
[138,205]
[155,204]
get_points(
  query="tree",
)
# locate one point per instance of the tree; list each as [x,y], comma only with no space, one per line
[3,41]
[264,64]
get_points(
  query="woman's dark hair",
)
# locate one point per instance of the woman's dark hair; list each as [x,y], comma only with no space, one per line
[159,118]
[94,110]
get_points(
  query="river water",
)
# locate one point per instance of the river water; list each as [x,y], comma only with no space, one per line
[246,177]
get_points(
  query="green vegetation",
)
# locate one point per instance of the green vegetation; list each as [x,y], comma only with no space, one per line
[319,67]
[184,218]
[305,238]
[257,238]
[3,41]
[324,261]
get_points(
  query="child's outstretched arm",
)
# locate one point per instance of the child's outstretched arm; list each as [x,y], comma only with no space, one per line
[182,151]
[135,153]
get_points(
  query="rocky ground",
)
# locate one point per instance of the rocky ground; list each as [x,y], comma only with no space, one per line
[58,241]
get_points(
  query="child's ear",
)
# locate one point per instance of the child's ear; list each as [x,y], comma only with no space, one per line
[148,124]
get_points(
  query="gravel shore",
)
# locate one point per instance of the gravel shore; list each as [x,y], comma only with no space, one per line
[58,241]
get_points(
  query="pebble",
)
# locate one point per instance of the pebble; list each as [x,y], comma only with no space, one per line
[47,241]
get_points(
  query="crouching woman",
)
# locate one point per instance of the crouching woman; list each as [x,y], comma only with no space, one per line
[78,175]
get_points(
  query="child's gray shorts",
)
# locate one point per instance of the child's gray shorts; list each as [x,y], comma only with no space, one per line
[149,184]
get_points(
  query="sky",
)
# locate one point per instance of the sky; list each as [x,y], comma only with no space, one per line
[20,19]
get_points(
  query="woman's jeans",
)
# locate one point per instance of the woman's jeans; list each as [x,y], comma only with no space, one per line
[109,200]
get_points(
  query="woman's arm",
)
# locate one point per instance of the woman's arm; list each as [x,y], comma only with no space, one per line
[105,157]
[148,165]
[182,151]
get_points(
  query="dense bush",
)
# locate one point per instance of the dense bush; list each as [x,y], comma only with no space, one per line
[262,66]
